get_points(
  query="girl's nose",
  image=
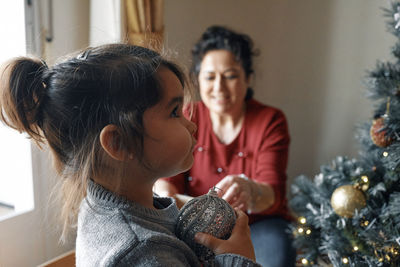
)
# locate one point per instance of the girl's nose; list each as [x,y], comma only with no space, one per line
[192,127]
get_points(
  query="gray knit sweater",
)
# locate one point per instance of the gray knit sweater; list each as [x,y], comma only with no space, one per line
[113,231]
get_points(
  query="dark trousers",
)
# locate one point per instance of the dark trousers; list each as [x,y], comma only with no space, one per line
[272,242]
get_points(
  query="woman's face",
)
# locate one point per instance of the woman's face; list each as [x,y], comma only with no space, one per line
[223,82]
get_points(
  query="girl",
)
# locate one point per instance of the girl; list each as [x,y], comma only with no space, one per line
[112,117]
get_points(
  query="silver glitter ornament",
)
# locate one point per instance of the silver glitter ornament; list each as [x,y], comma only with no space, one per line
[208,214]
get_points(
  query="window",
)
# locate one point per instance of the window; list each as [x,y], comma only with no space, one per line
[16,189]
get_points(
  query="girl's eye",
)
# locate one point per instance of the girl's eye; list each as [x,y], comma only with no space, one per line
[175,112]
[208,78]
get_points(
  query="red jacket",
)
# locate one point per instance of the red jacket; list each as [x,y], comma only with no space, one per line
[260,151]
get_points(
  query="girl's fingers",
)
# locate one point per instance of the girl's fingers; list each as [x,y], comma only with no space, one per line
[207,240]
[242,221]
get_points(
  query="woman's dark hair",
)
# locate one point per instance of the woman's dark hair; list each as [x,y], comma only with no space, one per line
[67,106]
[222,38]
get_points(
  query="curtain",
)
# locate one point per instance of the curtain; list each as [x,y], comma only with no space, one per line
[144,23]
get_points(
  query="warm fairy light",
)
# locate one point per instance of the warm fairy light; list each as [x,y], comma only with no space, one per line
[365,223]
[364,178]
[387,257]
[380,259]
[302,220]
[355,248]
[345,260]
[304,261]
[308,231]
[300,230]
[385,154]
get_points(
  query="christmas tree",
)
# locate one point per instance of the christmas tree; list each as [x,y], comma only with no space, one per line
[349,214]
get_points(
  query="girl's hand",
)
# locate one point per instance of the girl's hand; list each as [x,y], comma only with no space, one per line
[238,243]
[237,191]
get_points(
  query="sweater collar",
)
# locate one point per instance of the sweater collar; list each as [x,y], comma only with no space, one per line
[165,207]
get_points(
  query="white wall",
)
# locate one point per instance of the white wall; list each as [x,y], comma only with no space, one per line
[314,55]
[70,28]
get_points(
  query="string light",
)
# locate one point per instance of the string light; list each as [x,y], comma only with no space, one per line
[364,178]
[308,231]
[385,154]
[355,248]
[365,223]
[345,260]
[302,220]
[300,230]
[364,187]
[304,261]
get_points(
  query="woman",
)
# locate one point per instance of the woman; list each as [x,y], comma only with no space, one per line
[242,146]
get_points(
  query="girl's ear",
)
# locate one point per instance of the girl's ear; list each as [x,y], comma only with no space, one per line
[110,140]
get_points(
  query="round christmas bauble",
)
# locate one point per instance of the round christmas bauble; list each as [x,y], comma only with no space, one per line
[208,214]
[347,199]
[379,136]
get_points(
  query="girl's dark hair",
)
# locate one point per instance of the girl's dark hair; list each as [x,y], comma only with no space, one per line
[222,38]
[67,106]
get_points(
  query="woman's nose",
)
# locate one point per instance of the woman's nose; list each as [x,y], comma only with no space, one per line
[218,84]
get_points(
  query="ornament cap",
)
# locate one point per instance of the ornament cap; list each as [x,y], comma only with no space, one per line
[213,191]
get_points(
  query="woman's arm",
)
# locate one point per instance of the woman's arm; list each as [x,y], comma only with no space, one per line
[265,190]
[272,160]
[262,196]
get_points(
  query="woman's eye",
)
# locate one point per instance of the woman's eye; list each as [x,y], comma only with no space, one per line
[231,77]
[209,78]
[175,112]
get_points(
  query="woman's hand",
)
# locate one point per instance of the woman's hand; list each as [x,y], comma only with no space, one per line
[181,199]
[237,190]
[166,189]
[238,243]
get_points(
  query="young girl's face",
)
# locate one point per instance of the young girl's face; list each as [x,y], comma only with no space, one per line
[169,141]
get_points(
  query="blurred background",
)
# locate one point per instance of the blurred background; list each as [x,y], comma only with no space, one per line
[313,58]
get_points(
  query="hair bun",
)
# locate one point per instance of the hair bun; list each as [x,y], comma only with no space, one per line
[216,32]
[22,93]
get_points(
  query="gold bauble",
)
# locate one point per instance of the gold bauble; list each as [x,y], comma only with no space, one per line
[346,200]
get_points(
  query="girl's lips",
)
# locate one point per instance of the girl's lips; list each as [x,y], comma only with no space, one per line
[193,145]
